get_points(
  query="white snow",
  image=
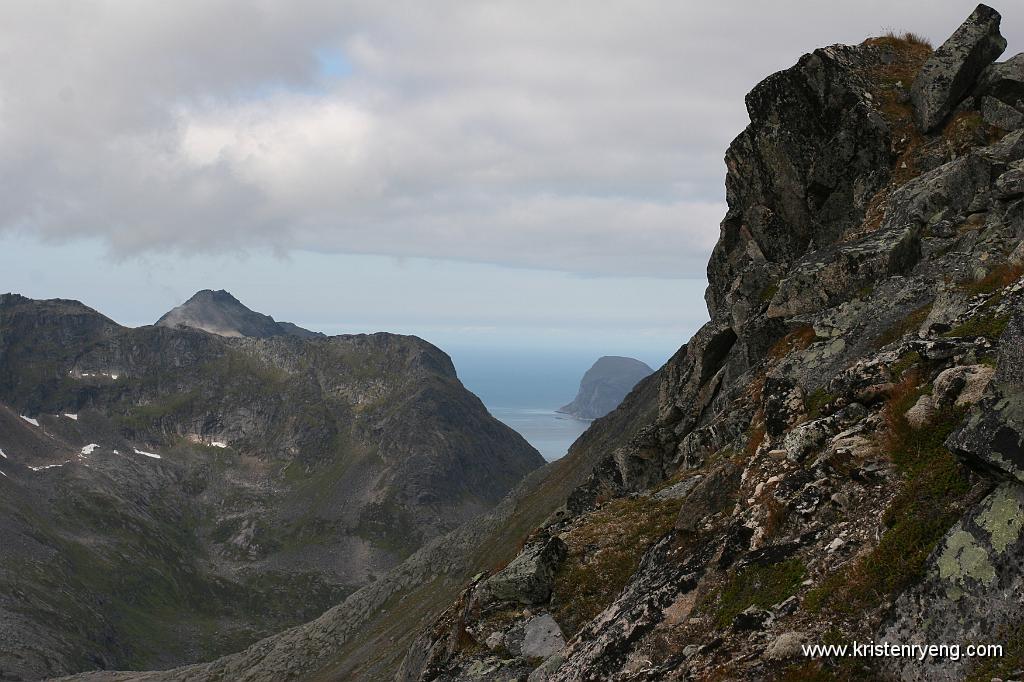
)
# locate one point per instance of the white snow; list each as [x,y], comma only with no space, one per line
[48,466]
[30,420]
[147,454]
[5,475]
[218,444]
[3,454]
[71,416]
[114,377]
[88,449]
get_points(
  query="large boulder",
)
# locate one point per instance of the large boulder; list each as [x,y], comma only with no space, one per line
[950,73]
[528,579]
[993,435]
[1003,81]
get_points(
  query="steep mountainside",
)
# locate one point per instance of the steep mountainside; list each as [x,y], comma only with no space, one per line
[604,386]
[835,456]
[218,312]
[169,495]
[838,455]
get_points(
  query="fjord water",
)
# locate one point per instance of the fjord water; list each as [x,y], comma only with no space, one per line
[523,388]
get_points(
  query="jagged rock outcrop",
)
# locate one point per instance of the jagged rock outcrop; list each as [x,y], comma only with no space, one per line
[218,312]
[158,480]
[951,72]
[604,385]
[794,486]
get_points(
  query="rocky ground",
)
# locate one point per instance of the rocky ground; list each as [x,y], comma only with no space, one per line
[169,495]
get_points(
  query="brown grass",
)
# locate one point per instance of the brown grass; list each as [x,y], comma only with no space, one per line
[1003,275]
[796,340]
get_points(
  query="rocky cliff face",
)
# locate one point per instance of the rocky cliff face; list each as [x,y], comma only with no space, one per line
[837,454]
[170,495]
[834,456]
[604,386]
[218,312]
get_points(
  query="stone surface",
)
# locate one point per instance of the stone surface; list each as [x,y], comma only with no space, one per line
[993,435]
[542,637]
[1001,115]
[951,72]
[528,578]
[786,645]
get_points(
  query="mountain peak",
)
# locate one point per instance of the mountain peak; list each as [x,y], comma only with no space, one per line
[604,386]
[220,313]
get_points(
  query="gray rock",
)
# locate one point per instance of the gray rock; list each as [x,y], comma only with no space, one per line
[952,70]
[529,577]
[993,434]
[542,637]
[786,645]
[1003,81]
[1001,115]
[544,672]
[967,592]
[1011,183]
[962,385]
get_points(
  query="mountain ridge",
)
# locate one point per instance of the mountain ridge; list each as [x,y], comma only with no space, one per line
[218,312]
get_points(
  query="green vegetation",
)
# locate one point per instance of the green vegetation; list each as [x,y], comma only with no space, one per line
[755,585]
[818,399]
[906,361]
[604,551]
[989,326]
[927,506]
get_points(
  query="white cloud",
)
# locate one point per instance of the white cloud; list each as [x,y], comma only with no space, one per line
[572,136]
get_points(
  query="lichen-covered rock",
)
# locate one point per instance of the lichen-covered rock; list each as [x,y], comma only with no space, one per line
[971,591]
[1001,115]
[951,72]
[528,579]
[802,172]
[993,435]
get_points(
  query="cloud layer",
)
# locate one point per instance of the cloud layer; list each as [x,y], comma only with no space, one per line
[579,137]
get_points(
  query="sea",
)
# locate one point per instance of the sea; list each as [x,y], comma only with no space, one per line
[524,390]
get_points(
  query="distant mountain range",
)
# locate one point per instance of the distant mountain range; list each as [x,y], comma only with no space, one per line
[175,492]
[604,386]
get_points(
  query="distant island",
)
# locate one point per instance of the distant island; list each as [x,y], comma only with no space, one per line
[604,386]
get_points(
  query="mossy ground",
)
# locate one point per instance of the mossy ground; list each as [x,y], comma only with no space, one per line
[754,585]
[604,551]
[927,505]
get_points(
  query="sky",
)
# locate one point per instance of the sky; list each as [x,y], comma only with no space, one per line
[518,174]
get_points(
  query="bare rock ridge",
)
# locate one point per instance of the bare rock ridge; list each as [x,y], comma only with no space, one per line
[218,312]
[168,495]
[834,456]
[604,386]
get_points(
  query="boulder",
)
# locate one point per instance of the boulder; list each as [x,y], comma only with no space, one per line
[528,579]
[1003,81]
[1001,115]
[542,637]
[993,434]
[786,645]
[953,69]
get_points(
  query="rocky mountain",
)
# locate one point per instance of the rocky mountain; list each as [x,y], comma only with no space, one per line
[836,456]
[604,386]
[169,495]
[218,312]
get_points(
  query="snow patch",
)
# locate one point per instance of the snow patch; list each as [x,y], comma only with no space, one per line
[218,444]
[4,475]
[147,454]
[48,466]
[88,449]
[3,454]
[71,416]
[30,420]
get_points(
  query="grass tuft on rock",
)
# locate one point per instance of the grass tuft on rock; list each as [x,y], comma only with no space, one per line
[754,585]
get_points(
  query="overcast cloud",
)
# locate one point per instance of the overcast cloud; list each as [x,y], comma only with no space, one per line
[583,137]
